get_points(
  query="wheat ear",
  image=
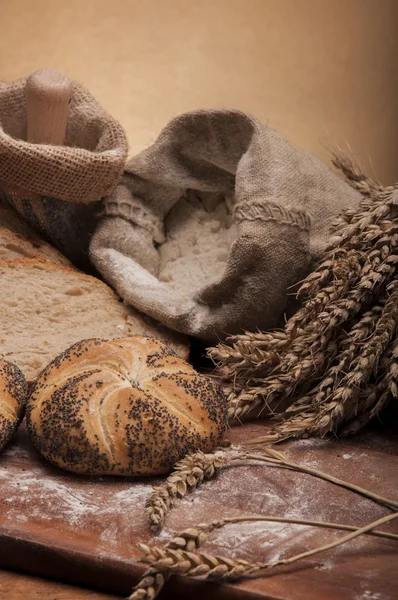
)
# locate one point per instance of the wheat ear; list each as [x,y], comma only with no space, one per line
[187,475]
[154,579]
[160,502]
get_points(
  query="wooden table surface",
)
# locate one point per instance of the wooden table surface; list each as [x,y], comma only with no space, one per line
[16,586]
[84,531]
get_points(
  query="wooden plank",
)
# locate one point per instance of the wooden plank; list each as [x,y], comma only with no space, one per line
[84,530]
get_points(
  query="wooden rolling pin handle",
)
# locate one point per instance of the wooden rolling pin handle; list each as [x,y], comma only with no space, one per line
[48,94]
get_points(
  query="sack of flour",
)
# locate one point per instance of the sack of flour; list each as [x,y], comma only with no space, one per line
[212,226]
[57,189]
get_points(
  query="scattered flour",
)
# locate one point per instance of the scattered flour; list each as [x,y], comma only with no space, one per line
[50,499]
[313,442]
[368,595]
[327,565]
[35,495]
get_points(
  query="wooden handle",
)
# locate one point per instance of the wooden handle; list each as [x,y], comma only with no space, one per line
[48,94]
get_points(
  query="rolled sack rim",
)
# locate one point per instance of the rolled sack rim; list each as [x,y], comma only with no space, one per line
[73,174]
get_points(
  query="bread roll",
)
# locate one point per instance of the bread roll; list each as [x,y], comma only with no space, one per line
[13,395]
[129,406]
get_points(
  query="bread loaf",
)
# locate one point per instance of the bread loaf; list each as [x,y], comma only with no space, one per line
[13,395]
[48,307]
[123,407]
[13,245]
[10,219]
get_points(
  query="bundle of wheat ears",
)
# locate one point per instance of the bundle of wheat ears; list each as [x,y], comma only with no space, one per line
[335,366]
[336,362]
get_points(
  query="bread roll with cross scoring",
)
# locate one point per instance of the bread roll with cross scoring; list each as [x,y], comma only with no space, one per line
[13,396]
[123,407]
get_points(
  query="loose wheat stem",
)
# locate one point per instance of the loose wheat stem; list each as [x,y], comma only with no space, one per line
[316,473]
[187,475]
[338,542]
[322,524]
[161,500]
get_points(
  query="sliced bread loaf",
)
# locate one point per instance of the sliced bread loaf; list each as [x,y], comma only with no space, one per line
[11,220]
[13,245]
[46,308]
[20,240]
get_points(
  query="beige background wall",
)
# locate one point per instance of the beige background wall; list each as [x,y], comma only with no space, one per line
[320,71]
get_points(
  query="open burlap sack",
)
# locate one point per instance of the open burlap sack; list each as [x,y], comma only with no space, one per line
[57,189]
[212,226]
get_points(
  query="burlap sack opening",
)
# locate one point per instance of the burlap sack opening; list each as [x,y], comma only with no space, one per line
[213,225]
[57,189]
[86,168]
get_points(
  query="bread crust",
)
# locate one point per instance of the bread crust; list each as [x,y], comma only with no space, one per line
[129,406]
[12,243]
[12,221]
[13,397]
[51,266]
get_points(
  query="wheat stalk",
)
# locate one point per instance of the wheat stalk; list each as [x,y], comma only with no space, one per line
[206,566]
[178,555]
[219,460]
[187,475]
[279,459]
[154,579]
[191,539]
[355,175]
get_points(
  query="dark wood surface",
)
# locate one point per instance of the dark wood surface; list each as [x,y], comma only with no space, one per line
[16,586]
[84,530]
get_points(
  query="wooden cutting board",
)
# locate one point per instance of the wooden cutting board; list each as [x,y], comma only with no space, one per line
[85,530]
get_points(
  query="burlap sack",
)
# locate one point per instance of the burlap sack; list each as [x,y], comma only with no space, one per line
[212,226]
[57,188]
